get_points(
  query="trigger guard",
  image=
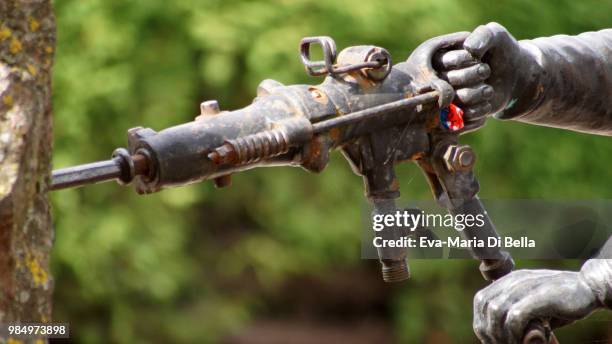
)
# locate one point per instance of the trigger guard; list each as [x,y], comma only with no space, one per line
[420,61]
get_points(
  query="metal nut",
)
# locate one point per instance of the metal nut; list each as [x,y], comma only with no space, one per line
[459,158]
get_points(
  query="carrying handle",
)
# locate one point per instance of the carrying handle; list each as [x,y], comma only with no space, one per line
[325,66]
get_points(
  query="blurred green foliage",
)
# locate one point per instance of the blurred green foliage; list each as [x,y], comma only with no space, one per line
[171,267]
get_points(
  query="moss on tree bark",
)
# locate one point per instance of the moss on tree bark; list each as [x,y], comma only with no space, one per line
[27,43]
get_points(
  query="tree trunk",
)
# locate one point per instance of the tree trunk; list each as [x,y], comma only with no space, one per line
[27,42]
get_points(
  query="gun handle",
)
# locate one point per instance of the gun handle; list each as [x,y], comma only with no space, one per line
[456,190]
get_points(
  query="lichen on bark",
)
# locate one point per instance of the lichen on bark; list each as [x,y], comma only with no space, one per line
[27,41]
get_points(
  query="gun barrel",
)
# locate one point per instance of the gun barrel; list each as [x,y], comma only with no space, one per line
[80,175]
[121,167]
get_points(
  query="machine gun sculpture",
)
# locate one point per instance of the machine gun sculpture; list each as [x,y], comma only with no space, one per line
[377,114]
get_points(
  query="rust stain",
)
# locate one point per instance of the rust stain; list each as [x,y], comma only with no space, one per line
[318,95]
[417,156]
[433,120]
[316,149]
[395,184]
[334,134]
[363,82]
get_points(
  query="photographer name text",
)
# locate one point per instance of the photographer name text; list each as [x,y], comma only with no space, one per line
[455,242]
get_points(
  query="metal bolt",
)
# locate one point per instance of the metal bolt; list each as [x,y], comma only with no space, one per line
[224,154]
[459,158]
[209,107]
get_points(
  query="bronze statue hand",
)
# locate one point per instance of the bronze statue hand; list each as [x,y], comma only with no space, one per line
[503,310]
[551,81]
[488,73]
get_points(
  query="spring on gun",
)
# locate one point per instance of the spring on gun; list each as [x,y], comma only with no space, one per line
[253,148]
[262,145]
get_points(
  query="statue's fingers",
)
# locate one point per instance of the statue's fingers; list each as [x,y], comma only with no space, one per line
[520,314]
[477,111]
[480,325]
[479,41]
[454,59]
[496,316]
[468,76]
[473,125]
[499,306]
[488,305]
[487,37]
[473,95]
[522,287]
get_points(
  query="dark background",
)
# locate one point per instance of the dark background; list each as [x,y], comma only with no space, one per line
[275,258]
